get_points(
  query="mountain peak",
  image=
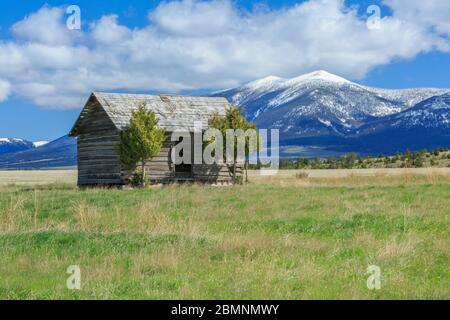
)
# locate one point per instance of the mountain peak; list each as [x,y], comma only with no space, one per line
[271,82]
[264,83]
[321,75]
[270,78]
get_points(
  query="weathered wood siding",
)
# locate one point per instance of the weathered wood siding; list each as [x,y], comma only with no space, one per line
[98,162]
[158,169]
[162,169]
[215,172]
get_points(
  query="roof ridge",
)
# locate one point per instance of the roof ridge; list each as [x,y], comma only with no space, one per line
[155,95]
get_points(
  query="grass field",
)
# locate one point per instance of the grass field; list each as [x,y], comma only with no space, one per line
[298,235]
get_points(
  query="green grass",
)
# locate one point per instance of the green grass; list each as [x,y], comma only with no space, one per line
[259,241]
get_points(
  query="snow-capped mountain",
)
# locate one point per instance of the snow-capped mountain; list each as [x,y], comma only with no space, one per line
[61,152]
[424,126]
[319,103]
[323,109]
[9,145]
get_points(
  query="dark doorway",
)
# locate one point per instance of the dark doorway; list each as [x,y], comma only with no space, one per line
[184,170]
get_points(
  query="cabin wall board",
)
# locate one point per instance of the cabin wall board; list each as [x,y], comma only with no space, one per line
[98,161]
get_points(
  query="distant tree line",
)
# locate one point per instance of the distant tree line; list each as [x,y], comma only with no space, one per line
[408,159]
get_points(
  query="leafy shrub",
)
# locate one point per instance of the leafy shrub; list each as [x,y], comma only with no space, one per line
[301,175]
[137,179]
[239,180]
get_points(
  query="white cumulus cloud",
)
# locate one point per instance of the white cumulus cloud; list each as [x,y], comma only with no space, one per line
[434,14]
[5,89]
[196,18]
[192,44]
[45,26]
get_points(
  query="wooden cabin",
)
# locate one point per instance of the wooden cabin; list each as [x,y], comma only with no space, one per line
[105,114]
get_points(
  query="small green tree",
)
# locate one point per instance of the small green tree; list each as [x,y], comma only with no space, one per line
[234,119]
[434,162]
[141,140]
[349,160]
[407,159]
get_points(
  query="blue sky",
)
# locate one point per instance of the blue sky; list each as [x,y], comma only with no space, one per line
[197,47]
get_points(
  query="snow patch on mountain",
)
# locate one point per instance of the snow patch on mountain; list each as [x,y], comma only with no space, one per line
[11,140]
[325,122]
[431,113]
[38,144]
[408,97]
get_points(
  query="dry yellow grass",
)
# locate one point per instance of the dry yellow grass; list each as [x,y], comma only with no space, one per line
[37,177]
[352,177]
[301,177]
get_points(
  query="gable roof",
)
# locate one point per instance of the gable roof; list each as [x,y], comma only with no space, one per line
[174,112]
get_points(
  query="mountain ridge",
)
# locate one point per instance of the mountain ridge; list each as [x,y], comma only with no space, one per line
[10,145]
[61,152]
